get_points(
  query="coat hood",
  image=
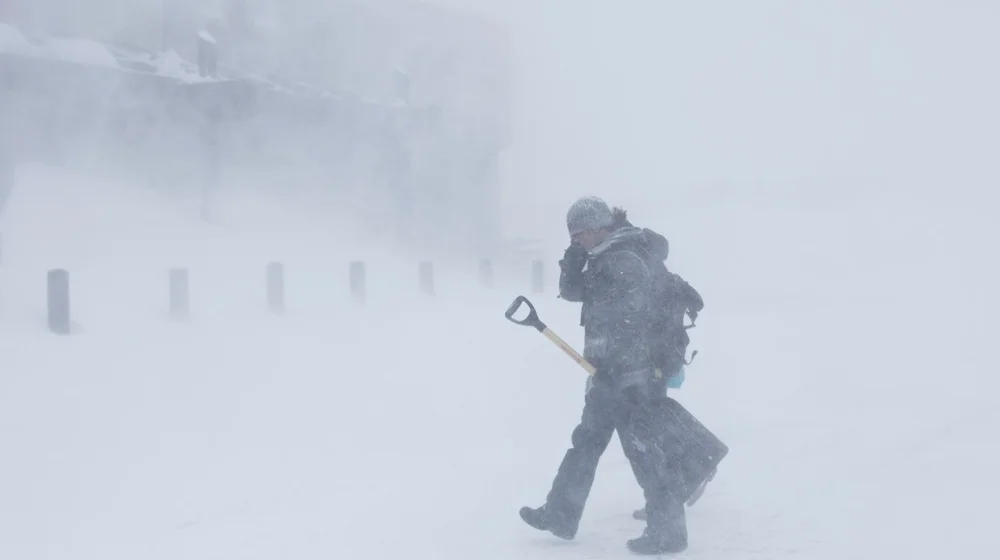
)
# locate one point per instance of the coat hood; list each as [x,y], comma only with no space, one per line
[656,244]
[624,235]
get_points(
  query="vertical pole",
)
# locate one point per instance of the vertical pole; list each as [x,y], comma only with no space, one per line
[538,276]
[486,273]
[57,290]
[274,286]
[427,278]
[180,292]
[357,281]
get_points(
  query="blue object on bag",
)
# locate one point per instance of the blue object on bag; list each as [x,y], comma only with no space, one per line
[676,381]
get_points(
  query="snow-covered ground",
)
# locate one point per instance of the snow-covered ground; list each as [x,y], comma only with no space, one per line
[845,357]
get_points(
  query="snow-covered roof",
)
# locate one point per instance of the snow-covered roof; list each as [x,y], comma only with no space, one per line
[206,36]
[166,64]
[85,51]
[12,40]
[81,51]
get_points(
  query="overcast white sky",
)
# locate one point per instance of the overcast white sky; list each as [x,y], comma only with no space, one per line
[628,95]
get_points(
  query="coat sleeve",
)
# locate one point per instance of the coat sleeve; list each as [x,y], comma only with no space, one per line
[570,282]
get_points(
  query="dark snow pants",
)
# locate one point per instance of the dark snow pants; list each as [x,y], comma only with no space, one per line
[604,412]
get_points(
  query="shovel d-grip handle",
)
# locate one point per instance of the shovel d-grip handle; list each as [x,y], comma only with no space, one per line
[533,321]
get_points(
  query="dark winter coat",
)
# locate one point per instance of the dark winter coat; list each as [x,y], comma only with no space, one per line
[616,289]
[675,297]
[670,297]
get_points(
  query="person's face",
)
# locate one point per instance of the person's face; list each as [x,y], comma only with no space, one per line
[588,239]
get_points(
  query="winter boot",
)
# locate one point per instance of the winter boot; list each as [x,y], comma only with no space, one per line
[545,520]
[666,528]
[651,544]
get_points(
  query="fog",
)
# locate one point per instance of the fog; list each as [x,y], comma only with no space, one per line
[825,174]
[762,97]
[773,100]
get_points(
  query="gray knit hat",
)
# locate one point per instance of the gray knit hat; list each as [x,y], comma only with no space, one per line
[588,214]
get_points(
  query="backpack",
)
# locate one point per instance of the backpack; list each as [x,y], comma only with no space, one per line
[680,299]
[675,300]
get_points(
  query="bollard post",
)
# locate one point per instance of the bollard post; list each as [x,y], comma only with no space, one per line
[486,273]
[357,281]
[57,290]
[179,293]
[538,276]
[274,286]
[427,278]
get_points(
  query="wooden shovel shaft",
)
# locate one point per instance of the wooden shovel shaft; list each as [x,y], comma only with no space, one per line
[569,351]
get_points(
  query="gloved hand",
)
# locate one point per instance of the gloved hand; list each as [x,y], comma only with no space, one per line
[574,258]
[600,382]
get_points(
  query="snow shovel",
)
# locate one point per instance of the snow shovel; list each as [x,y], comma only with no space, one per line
[532,320]
[700,450]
